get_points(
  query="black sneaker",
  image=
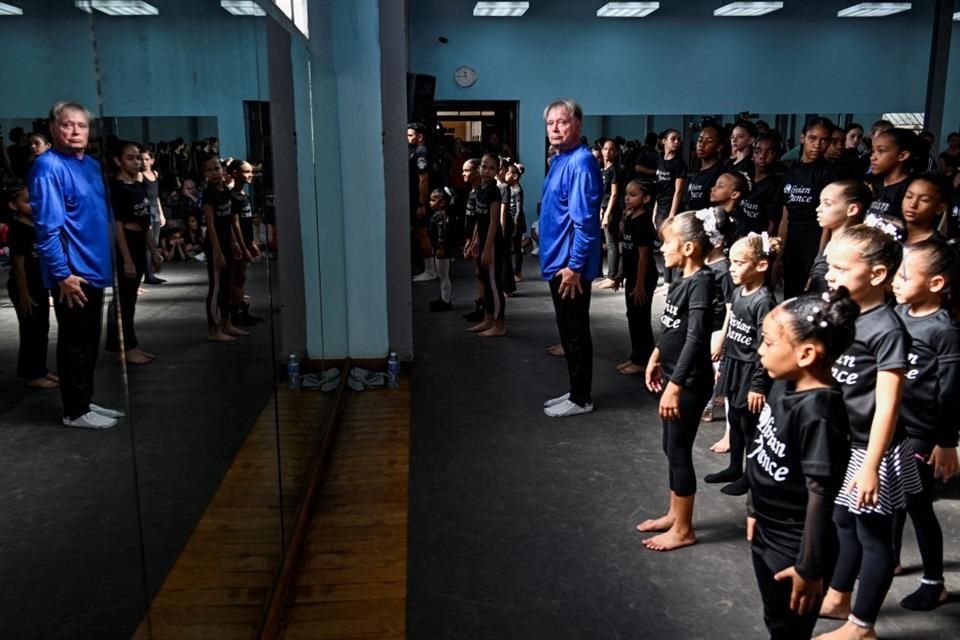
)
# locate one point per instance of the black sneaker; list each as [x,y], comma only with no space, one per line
[440,305]
[477,314]
[154,280]
[245,310]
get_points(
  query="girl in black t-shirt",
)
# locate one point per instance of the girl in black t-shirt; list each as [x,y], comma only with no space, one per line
[892,161]
[802,184]
[680,370]
[610,212]
[517,214]
[247,250]
[842,204]
[487,242]
[699,183]
[132,219]
[718,227]
[880,474]
[439,232]
[218,210]
[924,206]
[795,465]
[763,205]
[742,137]
[931,401]
[727,193]
[671,178]
[949,160]
[29,297]
[638,274]
[742,381]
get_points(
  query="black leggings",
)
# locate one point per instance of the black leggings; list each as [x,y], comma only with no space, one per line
[127,290]
[678,437]
[782,623]
[493,294]
[743,427]
[801,250]
[638,322]
[34,332]
[920,508]
[516,244]
[866,549]
[612,236]
[218,288]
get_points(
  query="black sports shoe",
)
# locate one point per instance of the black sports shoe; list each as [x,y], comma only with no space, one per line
[440,305]
[477,314]
[154,280]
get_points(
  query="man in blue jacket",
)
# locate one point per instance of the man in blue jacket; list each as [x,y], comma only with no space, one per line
[73,242]
[569,228]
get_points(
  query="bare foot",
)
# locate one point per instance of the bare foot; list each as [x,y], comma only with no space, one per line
[42,383]
[53,376]
[145,354]
[136,358]
[722,445]
[849,631]
[231,330]
[670,540]
[493,332]
[632,369]
[556,350]
[625,363]
[478,328]
[835,605]
[663,523]
[219,336]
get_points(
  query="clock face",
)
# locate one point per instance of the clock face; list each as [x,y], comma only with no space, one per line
[465,76]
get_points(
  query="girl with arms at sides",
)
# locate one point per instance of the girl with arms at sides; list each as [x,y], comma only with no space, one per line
[638,274]
[880,474]
[802,237]
[763,205]
[247,250]
[930,401]
[134,242]
[681,371]
[488,240]
[742,137]
[708,150]
[743,382]
[610,212]
[795,467]
[671,178]
[151,183]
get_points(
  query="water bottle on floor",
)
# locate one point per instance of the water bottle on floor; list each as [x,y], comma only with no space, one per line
[293,372]
[393,371]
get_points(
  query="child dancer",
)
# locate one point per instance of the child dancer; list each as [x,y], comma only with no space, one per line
[671,178]
[880,473]
[488,239]
[763,205]
[28,295]
[680,369]
[610,211]
[842,204]
[242,174]
[892,161]
[743,382]
[514,171]
[439,232]
[924,204]
[218,211]
[930,402]
[699,183]
[795,467]
[638,274]
[717,226]
[727,193]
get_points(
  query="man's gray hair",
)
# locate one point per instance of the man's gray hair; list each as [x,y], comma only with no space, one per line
[65,105]
[568,105]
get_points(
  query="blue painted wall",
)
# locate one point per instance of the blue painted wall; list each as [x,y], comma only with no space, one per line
[801,59]
[204,62]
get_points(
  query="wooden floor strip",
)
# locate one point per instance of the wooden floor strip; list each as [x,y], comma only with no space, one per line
[351,581]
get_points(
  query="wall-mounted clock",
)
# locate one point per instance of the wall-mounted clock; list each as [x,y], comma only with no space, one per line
[465,76]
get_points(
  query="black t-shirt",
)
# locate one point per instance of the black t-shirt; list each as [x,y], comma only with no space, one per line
[740,369]
[953,219]
[609,179]
[744,166]
[130,202]
[722,291]
[687,320]
[764,204]
[637,232]
[419,165]
[800,435]
[889,199]
[951,161]
[506,202]
[699,183]
[485,197]
[802,185]
[818,273]
[23,242]
[849,165]
[668,171]
[931,392]
[240,205]
[222,205]
[881,344]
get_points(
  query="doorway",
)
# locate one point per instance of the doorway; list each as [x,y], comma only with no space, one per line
[483,125]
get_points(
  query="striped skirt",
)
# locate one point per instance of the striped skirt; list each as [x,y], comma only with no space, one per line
[898,479]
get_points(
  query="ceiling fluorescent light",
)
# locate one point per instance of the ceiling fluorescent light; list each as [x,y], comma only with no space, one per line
[747,9]
[10,10]
[242,7]
[118,7]
[627,9]
[874,9]
[500,9]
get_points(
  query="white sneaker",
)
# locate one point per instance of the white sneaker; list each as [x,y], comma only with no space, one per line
[107,413]
[567,408]
[552,402]
[426,276]
[90,420]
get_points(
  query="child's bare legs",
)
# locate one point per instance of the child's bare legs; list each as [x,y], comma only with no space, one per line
[497,330]
[662,523]
[680,534]
[556,350]
[486,323]
[214,334]
[836,604]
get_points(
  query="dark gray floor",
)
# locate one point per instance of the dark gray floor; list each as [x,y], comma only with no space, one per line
[69,539]
[522,527]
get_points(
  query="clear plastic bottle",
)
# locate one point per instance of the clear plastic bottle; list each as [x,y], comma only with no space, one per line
[393,371]
[293,372]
